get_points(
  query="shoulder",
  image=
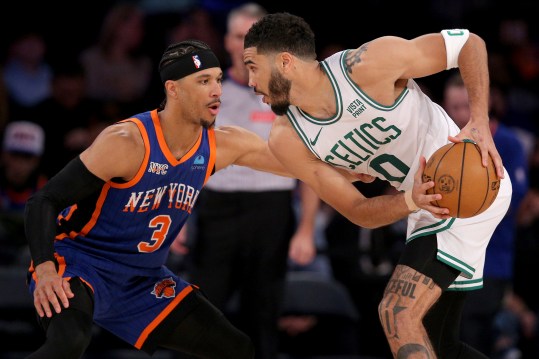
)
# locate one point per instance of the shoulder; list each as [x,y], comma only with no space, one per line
[118,151]
[124,133]
[376,52]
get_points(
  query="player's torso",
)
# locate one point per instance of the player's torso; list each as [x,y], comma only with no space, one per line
[366,137]
[134,223]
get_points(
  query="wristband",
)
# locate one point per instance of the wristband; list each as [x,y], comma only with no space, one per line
[410,202]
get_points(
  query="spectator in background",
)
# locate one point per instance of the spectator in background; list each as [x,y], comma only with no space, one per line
[245,222]
[23,145]
[117,70]
[522,55]
[483,305]
[199,23]
[69,117]
[26,73]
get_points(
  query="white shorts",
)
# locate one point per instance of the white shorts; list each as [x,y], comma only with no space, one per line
[462,242]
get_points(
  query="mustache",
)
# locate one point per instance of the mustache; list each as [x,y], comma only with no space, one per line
[258,92]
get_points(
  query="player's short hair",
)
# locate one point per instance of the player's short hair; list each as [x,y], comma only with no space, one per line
[282,32]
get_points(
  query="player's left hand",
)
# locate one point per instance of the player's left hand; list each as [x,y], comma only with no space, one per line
[481,135]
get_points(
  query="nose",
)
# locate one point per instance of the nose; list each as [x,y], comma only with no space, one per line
[251,82]
[217,91]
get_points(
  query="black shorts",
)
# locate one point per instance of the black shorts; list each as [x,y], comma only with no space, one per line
[420,254]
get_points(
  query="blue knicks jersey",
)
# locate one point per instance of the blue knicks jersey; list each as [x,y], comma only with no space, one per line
[130,225]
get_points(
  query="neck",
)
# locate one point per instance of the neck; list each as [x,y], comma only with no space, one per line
[315,82]
[180,134]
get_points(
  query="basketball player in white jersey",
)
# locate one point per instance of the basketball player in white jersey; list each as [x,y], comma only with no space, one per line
[361,110]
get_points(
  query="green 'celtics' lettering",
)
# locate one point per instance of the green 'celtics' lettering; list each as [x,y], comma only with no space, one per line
[358,146]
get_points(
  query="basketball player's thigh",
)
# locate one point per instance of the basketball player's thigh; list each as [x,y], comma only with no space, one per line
[420,254]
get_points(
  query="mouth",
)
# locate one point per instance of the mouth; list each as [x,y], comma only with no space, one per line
[214,108]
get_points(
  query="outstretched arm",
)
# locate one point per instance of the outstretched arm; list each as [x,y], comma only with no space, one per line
[337,191]
[239,146]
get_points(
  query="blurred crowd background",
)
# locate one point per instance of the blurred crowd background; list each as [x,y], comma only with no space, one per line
[70,68]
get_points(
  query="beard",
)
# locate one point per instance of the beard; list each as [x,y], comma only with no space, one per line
[279,91]
[207,124]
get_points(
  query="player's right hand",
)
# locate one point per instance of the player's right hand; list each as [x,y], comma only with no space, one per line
[420,196]
[51,290]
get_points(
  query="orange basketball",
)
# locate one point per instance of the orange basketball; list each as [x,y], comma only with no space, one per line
[467,188]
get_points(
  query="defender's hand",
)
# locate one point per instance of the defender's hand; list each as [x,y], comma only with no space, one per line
[51,290]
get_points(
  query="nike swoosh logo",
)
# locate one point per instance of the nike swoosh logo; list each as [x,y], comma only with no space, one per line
[313,142]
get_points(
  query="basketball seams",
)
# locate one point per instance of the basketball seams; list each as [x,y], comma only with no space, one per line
[462,159]
[460,177]
[488,182]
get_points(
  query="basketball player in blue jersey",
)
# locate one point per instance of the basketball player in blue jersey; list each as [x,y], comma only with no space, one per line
[361,110]
[100,230]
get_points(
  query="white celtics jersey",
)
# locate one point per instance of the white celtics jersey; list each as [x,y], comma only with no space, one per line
[367,137]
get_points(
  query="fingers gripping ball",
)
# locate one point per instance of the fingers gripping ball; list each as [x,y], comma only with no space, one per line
[467,188]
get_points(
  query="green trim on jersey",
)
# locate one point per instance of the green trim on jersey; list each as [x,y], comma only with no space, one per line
[300,133]
[338,100]
[466,270]
[466,285]
[431,229]
[363,95]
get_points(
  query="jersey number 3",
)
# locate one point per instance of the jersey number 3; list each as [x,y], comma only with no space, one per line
[162,225]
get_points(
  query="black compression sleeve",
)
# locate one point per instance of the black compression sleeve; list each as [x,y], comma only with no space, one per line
[73,183]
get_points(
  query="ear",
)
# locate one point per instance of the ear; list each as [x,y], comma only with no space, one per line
[170,87]
[285,62]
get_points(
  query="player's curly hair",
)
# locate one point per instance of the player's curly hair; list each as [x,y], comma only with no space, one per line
[282,32]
